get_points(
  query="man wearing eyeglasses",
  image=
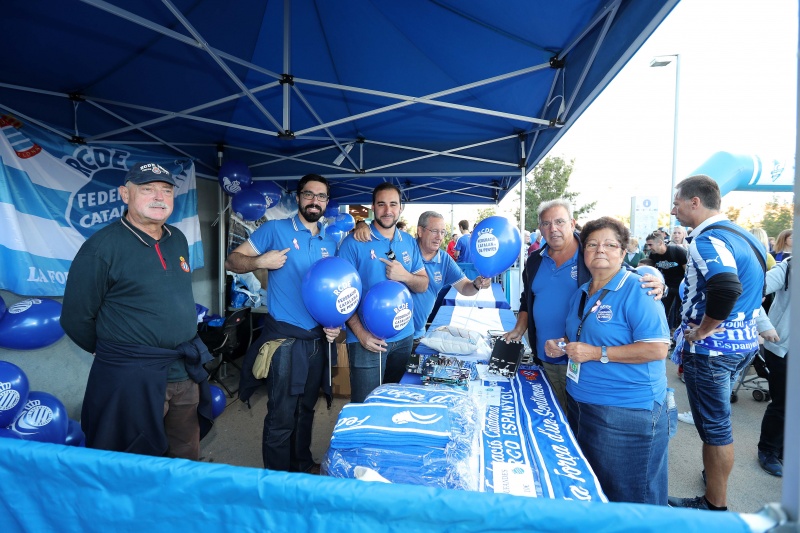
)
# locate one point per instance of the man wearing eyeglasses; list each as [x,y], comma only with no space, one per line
[550,278]
[390,254]
[288,248]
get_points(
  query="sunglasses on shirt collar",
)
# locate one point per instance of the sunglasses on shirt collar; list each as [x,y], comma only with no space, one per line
[390,255]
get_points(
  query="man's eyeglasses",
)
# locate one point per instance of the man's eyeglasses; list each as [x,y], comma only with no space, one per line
[439,232]
[560,222]
[593,246]
[308,195]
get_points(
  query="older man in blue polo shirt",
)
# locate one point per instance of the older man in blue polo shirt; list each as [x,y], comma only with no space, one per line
[390,254]
[288,248]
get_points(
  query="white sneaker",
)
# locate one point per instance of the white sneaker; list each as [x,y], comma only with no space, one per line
[686,417]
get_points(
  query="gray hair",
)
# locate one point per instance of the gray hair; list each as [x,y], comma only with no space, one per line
[426,216]
[558,202]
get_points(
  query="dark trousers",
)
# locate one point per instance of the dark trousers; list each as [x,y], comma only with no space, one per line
[771,440]
[672,307]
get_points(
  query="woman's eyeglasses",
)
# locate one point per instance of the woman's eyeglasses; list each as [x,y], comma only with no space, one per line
[593,246]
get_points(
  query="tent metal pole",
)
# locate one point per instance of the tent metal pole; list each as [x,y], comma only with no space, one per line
[221,252]
[287,65]
[522,171]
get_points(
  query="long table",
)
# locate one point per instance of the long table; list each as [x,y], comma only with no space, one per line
[490,297]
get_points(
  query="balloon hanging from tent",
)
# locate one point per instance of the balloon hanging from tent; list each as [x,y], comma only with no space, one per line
[234,176]
[494,246]
[272,193]
[387,309]
[331,291]
[31,324]
[332,209]
[14,388]
[345,222]
[249,204]
[335,233]
[43,419]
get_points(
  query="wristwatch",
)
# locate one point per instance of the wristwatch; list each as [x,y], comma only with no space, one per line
[603,354]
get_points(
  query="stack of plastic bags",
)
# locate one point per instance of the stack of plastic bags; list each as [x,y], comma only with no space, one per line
[409,434]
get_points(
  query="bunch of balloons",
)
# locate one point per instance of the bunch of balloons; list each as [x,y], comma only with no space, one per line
[494,246]
[331,291]
[339,224]
[30,324]
[250,199]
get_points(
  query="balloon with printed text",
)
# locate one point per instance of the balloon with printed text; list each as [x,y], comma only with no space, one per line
[331,290]
[647,269]
[387,309]
[43,419]
[249,204]
[234,177]
[345,221]
[494,246]
[218,401]
[31,324]
[332,210]
[272,193]
[14,388]
[75,435]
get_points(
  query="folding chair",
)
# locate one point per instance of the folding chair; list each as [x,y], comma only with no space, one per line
[222,342]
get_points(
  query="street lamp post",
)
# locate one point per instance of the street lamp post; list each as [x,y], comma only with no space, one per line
[662,61]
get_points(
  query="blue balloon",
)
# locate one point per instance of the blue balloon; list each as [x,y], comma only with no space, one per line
[31,324]
[6,433]
[336,233]
[234,177]
[75,435]
[249,204]
[682,290]
[647,269]
[494,246]
[345,221]
[218,401]
[272,193]
[333,208]
[14,390]
[43,419]
[331,291]
[387,309]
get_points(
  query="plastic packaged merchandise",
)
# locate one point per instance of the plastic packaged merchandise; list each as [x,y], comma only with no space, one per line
[443,454]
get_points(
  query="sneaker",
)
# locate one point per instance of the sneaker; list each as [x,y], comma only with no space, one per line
[688,503]
[686,417]
[683,379]
[770,463]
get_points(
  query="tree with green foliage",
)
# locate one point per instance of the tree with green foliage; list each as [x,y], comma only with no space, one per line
[484,213]
[777,217]
[548,181]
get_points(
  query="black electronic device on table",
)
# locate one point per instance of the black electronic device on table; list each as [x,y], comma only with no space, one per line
[506,357]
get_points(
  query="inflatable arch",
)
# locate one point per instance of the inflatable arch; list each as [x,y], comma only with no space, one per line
[736,172]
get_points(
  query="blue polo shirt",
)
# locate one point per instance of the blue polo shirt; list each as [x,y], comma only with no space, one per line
[553,287]
[462,247]
[284,293]
[442,272]
[625,315]
[716,251]
[364,257]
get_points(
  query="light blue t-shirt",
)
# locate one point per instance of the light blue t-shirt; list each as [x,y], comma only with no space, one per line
[553,287]
[462,247]
[713,252]
[625,315]
[284,292]
[442,272]
[364,257]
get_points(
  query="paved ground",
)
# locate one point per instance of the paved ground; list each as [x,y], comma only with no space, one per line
[236,440]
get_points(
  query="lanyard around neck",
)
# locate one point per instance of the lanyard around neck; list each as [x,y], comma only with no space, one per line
[590,311]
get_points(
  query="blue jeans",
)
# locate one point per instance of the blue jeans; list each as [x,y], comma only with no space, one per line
[709,380]
[627,449]
[286,443]
[364,375]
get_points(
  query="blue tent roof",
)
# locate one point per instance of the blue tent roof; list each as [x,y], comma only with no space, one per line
[450,99]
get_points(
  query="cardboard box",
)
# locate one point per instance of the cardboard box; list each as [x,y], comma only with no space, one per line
[341,373]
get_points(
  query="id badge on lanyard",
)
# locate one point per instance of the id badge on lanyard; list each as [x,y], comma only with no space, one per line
[573,367]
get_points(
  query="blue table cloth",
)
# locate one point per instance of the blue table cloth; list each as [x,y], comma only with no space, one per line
[490,297]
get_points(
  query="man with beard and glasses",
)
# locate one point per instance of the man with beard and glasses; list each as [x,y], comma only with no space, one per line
[288,248]
[129,302]
[390,254]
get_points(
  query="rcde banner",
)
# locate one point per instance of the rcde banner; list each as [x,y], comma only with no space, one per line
[55,194]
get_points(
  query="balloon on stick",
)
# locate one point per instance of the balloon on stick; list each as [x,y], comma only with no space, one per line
[387,309]
[494,246]
[249,204]
[31,324]
[218,401]
[43,419]
[234,176]
[270,191]
[331,291]
[14,390]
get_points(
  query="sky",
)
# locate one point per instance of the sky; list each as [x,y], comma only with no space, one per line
[737,93]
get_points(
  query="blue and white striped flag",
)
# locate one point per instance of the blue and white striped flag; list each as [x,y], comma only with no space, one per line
[55,194]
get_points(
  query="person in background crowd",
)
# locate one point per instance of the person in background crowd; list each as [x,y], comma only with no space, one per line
[617,340]
[401,225]
[536,242]
[129,301]
[679,237]
[452,245]
[783,246]
[391,254]
[771,244]
[461,250]
[761,235]
[288,248]
[670,260]
[632,254]
[646,261]
[724,281]
[664,234]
